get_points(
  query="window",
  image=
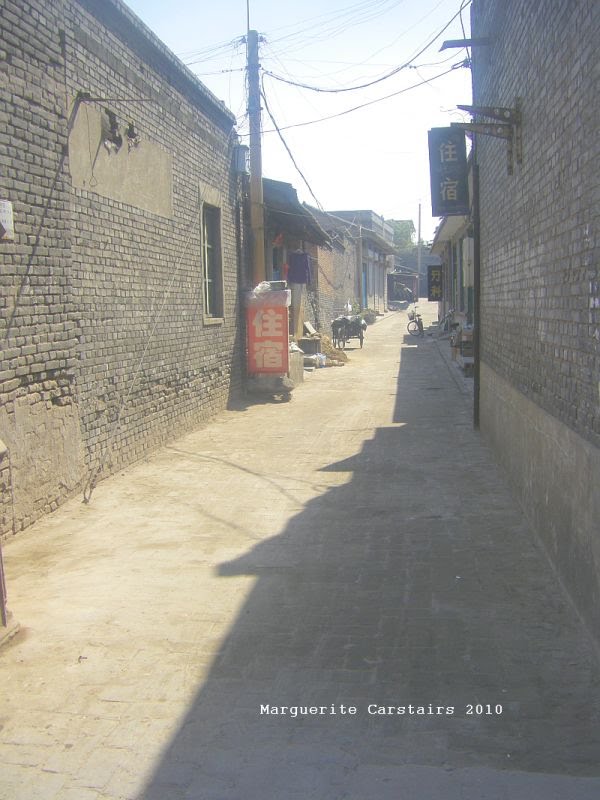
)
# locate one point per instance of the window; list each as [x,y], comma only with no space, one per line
[212,264]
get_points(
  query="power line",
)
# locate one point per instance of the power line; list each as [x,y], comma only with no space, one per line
[190,57]
[369,59]
[369,103]
[346,64]
[462,25]
[220,71]
[289,152]
[333,23]
[390,74]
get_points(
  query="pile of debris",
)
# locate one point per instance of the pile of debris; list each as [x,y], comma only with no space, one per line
[319,351]
[332,353]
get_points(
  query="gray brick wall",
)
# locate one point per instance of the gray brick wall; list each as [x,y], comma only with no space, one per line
[334,284]
[540,281]
[540,237]
[101,313]
[38,327]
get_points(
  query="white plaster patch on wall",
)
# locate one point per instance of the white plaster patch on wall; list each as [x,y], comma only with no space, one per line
[136,171]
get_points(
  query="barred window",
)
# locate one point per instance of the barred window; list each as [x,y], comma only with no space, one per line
[212,263]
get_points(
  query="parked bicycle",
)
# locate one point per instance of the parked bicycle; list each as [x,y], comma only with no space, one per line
[415,324]
[445,324]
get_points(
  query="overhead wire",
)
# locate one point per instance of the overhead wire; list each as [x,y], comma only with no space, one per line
[356,13]
[405,31]
[191,57]
[289,152]
[332,23]
[370,102]
[462,25]
[306,99]
[388,75]
[369,59]
[219,71]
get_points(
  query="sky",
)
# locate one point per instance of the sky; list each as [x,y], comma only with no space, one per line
[363,148]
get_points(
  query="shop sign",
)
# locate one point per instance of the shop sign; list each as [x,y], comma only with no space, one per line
[448,172]
[434,282]
[268,339]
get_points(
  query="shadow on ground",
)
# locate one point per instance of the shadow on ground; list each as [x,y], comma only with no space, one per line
[416,583]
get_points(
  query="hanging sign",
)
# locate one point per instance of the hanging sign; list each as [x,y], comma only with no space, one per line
[448,172]
[434,282]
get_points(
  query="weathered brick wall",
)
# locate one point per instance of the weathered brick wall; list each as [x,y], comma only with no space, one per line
[102,308]
[335,282]
[6,518]
[540,245]
[540,281]
[38,325]
[137,274]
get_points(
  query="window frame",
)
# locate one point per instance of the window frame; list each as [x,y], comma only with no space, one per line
[211,257]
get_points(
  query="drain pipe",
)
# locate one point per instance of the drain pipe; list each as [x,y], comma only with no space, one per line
[476,290]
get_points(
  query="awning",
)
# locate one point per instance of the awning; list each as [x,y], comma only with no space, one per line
[285,214]
[378,242]
[447,230]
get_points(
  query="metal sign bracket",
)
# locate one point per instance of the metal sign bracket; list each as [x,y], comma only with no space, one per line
[507,126]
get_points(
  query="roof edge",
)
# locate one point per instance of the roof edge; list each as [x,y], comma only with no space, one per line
[135,34]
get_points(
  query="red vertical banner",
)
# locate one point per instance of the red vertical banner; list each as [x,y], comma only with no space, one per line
[268,339]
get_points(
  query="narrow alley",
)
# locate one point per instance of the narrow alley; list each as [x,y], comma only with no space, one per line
[335,598]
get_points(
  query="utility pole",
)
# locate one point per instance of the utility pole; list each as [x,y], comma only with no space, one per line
[476,290]
[257,220]
[419,248]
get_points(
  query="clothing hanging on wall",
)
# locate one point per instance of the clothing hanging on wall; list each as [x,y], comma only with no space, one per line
[298,267]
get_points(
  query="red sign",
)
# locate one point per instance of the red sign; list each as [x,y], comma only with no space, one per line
[268,339]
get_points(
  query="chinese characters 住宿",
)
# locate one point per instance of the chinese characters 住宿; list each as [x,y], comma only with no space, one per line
[268,340]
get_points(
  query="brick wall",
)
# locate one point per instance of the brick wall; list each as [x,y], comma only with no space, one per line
[540,280]
[335,282]
[102,309]
[38,324]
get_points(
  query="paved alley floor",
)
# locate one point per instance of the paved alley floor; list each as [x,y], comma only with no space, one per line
[334,598]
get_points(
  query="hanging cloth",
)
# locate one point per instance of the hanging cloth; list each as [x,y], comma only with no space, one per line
[299,268]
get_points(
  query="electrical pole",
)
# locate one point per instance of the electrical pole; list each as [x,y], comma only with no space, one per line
[257,221]
[476,290]
[419,248]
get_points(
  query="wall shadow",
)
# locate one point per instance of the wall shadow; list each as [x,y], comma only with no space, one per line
[416,583]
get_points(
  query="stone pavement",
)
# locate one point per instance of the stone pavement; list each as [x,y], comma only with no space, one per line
[353,551]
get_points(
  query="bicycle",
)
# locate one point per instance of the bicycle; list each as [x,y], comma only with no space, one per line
[415,325]
[445,325]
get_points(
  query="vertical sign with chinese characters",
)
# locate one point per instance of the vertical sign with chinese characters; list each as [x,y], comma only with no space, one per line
[448,172]
[434,282]
[267,339]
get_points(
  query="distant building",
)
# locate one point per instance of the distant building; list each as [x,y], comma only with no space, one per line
[292,228]
[376,250]
[335,271]
[408,261]
[453,246]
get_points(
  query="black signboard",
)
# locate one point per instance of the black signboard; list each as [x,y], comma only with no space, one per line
[434,282]
[448,171]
